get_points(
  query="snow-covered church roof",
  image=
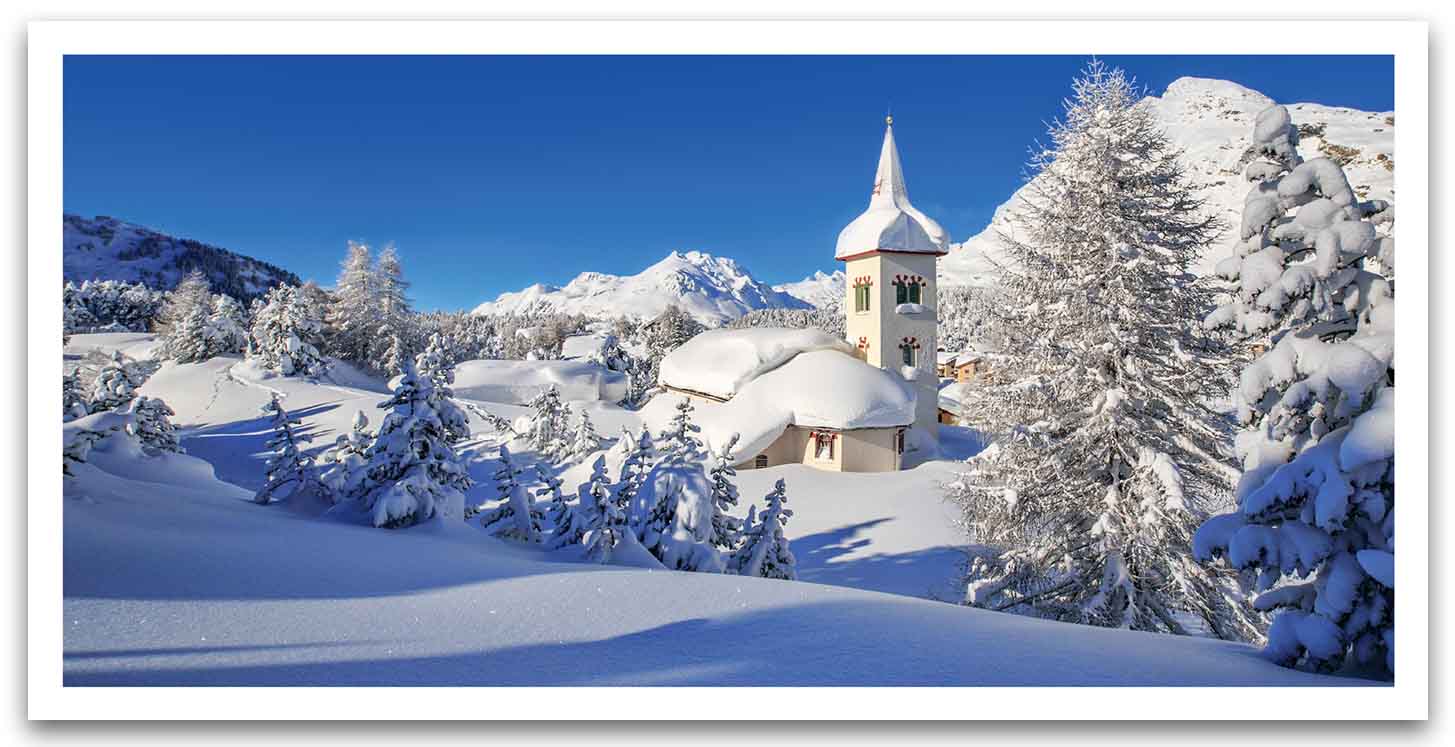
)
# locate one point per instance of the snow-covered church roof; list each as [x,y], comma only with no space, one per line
[891,223]
[776,378]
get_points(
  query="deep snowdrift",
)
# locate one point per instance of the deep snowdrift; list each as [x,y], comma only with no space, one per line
[172,576]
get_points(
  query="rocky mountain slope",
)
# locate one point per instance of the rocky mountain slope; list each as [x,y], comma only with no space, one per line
[105,248]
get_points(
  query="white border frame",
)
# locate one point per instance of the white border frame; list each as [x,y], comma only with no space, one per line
[49,41]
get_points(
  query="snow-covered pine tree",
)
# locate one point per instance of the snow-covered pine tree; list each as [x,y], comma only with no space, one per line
[393,312]
[285,332]
[412,473]
[188,308]
[1315,503]
[434,364]
[568,524]
[227,327]
[678,501]
[764,551]
[289,470]
[635,465]
[78,448]
[584,440]
[726,530]
[151,425]
[604,512]
[516,517]
[115,384]
[344,463]
[354,314]
[1105,452]
[549,426]
[73,399]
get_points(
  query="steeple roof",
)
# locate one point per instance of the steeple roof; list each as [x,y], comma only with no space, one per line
[891,223]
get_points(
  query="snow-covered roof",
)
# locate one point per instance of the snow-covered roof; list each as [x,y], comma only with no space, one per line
[816,389]
[891,223]
[719,362]
[582,347]
[516,382]
[952,396]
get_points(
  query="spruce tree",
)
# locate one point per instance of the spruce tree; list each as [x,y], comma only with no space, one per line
[285,332]
[1313,282]
[764,551]
[605,514]
[1106,453]
[677,527]
[412,473]
[568,523]
[151,425]
[725,528]
[289,470]
[584,440]
[73,399]
[115,384]
[633,472]
[516,517]
[188,308]
[548,433]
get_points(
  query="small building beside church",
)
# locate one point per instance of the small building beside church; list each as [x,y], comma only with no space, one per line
[804,396]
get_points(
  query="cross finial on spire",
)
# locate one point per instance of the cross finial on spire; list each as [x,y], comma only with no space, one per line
[889,119]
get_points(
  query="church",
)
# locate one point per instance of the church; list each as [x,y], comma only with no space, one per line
[804,396]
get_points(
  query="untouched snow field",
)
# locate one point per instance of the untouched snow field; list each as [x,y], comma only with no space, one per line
[174,577]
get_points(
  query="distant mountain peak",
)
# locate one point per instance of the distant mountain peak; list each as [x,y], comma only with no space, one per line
[711,288]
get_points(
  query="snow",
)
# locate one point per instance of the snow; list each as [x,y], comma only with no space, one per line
[890,223]
[516,382]
[907,309]
[714,290]
[719,362]
[172,576]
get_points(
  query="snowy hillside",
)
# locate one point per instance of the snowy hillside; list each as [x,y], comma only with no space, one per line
[1212,121]
[104,248]
[712,289]
[819,289]
[172,576]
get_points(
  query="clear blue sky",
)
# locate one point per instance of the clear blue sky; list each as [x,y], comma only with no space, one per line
[490,173]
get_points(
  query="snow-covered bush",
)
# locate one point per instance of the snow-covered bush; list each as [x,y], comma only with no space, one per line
[1105,452]
[151,425]
[677,527]
[764,551]
[285,333]
[516,517]
[289,471]
[1315,515]
[412,472]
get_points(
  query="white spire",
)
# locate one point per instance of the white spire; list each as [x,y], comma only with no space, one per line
[891,223]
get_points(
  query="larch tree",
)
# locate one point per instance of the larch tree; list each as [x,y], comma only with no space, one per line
[354,314]
[1313,275]
[1106,452]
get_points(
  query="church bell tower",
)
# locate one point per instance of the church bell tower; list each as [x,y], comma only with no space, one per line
[890,299]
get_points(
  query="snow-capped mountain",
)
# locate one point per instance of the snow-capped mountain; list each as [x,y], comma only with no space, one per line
[820,289]
[104,248]
[1212,120]
[712,289]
